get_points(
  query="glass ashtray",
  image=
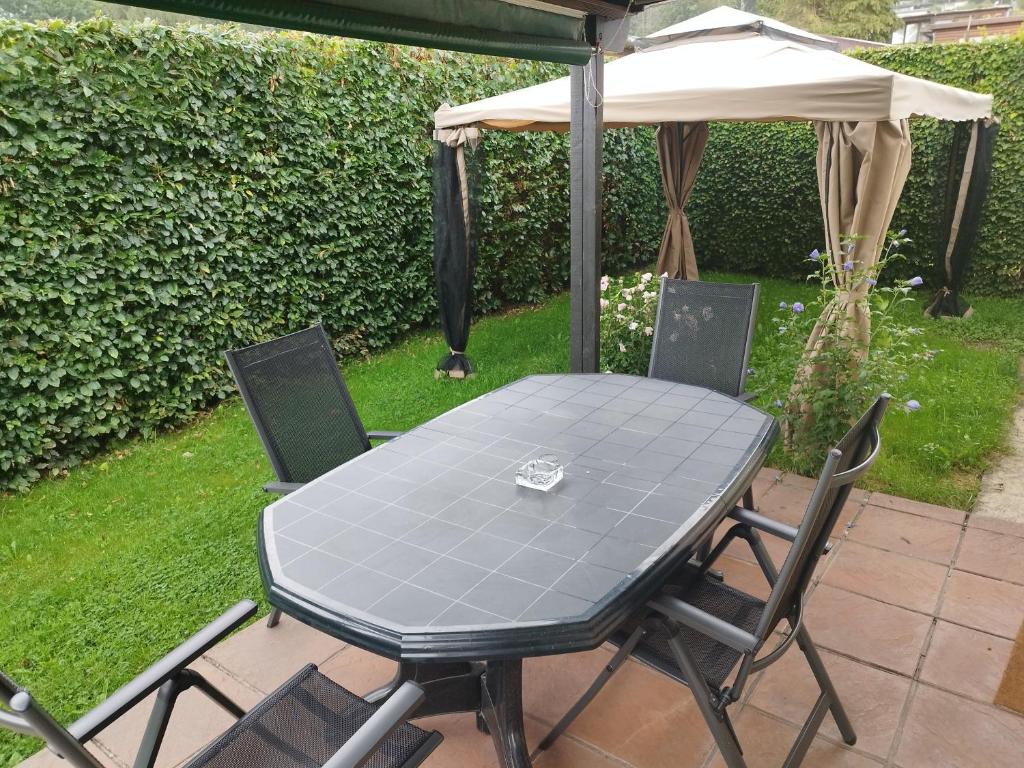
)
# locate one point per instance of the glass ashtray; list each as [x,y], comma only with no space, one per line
[541,474]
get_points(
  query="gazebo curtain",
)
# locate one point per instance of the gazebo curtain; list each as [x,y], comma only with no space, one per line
[967,178]
[862,168]
[680,150]
[454,244]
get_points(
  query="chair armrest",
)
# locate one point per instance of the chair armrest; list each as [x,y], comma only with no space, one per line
[130,694]
[703,622]
[746,397]
[358,750]
[769,526]
[762,523]
[383,435]
[283,488]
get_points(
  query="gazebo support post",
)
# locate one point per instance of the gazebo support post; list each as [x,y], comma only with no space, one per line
[586,138]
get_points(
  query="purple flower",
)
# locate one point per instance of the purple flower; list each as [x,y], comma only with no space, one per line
[913,405]
[901,233]
[915,281]
[783,305]
[849,247]
[814,255]
[848,266]
[871,281]
[798,307]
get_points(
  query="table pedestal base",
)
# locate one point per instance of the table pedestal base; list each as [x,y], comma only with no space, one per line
[491,689]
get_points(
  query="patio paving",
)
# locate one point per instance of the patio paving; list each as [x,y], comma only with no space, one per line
[915,611]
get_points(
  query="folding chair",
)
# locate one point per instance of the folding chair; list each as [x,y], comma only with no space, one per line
[309,721]
[698,629]
[702,336]
[303,413]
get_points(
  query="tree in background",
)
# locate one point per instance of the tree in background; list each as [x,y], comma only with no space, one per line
[864,19]
[79,10]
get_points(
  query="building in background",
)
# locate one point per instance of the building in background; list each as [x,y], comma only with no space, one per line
[953,22]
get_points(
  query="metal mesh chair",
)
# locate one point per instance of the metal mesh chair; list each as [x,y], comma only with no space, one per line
[702,337]
[309,722]
[703,333]
[300,405]
[700,631]
[301,408]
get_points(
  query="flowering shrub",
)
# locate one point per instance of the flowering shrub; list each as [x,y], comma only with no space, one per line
[628,309]
[847,370]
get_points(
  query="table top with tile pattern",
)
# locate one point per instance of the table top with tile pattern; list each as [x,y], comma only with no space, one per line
[424,547]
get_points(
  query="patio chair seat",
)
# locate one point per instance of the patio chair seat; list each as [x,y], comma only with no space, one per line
[302,724]
[714,659]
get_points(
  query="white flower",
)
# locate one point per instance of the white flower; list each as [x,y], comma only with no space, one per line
[650,294]
[622,347]
[649,331]
[604,304]
[605,282]
[646,277]
[634,325]
[622,307]
[627,294]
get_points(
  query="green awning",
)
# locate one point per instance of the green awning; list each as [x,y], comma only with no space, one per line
[493,27]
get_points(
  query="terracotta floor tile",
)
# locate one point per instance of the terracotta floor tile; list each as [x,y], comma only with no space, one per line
[788,504]
[966,661]
[744,575]
[997,524]
[992,554]
[645,719]
[44,758]
[799,481]
[265,657]
[873,699]
[552,684]
[766,742]
[906,534]
[992,606]
[195,722]
[887,576]
[569,753]
[866,629]
[947,731]
[359,671]
[463,746]
[918,508]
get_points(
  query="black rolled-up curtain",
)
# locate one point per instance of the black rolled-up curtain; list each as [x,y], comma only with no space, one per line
[455,219]
[967,180]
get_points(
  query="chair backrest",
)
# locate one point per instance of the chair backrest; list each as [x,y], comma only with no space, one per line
[20,713]
[703,334]
[851,458]
[299,403]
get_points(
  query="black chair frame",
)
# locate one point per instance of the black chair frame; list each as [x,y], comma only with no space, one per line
[169,678]
[669,613]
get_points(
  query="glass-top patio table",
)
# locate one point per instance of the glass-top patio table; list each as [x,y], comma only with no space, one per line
[426,551]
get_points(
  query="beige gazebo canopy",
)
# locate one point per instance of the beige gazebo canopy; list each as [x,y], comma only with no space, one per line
[734,66]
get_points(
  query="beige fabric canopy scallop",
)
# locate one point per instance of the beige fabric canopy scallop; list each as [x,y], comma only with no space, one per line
[719,76]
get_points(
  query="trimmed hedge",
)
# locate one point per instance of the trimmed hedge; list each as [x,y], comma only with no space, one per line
[755,204]
[169,193]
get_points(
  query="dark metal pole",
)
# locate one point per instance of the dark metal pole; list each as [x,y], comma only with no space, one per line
[586,137]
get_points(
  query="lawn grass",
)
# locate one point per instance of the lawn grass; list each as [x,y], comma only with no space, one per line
[104,570]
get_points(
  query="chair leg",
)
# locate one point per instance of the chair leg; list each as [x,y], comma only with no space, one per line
[156,726]
[600,681]
[748,499]
[828,690]
[717,720]
[274,618]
